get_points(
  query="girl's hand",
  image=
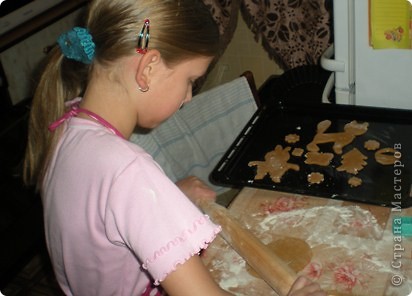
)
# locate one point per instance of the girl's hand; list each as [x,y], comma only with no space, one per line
[195,189]
[305,287]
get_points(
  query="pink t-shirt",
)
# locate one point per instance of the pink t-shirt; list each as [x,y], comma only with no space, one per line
[113,220]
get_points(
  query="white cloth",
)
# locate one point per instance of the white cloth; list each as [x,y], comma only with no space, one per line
[194,139]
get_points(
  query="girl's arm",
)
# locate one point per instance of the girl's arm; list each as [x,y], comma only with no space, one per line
[195,189]
[192,278]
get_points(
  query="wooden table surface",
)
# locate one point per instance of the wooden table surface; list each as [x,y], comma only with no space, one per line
[350,247]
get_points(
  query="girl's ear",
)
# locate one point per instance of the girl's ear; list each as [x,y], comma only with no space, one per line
[145,68]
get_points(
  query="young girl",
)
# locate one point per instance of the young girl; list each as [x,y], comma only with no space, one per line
[114,222]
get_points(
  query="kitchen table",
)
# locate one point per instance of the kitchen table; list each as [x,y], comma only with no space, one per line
[348,248]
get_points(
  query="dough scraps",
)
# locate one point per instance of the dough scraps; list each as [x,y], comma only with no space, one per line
[340,139]
[372,145]
[385,156]
[354,181]
[275,164]
[352,162]
[316,178]
[319,158]
[292,138]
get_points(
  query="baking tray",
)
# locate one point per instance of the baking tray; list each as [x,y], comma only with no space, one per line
[384,185]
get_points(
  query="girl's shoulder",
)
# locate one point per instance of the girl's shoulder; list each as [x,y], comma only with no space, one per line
[99,147]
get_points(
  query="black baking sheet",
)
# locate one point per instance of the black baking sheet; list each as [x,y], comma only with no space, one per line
[384,185]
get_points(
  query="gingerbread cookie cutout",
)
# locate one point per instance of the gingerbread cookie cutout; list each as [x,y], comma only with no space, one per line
[352,162]
[292,138]
[319,158]
[275,164]
[340,139]
[385,156]
[316,178]
[372,145]
[297,152]
[355,181]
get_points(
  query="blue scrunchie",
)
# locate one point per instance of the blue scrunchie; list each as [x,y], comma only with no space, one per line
[77,44]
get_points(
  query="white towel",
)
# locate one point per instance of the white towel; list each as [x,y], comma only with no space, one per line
[194,139]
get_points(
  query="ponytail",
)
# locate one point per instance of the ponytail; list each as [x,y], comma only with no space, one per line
[60,81]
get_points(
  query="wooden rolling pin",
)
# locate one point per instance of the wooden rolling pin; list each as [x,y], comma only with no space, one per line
[276,273]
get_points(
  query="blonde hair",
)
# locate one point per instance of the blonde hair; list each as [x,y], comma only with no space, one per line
[179,30]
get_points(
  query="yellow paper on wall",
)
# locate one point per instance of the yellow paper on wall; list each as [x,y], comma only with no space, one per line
[390,24]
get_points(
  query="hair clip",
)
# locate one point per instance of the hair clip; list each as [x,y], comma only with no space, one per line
[143,35]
